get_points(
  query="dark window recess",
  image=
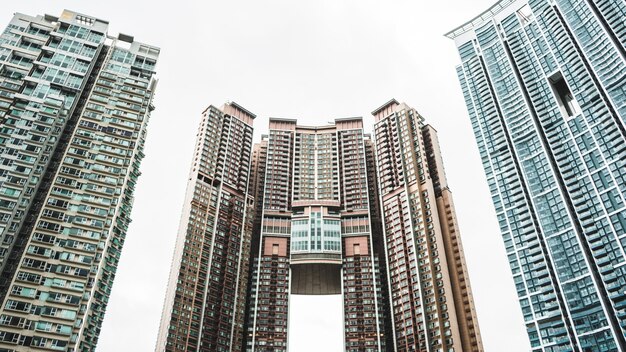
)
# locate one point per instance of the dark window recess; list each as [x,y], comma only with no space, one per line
[565,98]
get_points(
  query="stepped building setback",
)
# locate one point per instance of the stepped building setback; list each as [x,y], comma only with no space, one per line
[318,210]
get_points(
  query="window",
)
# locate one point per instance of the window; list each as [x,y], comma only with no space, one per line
[275,249]
[357,249]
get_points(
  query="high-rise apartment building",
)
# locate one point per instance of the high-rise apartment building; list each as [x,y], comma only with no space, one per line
[316,233]
[205,302]
[74,106]
[303,217]
[545,87]
[429,292]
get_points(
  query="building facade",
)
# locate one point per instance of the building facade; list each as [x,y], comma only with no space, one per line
[316,233]
[314,226]
[545,87]
[205,301]
[74,107]
[429,293]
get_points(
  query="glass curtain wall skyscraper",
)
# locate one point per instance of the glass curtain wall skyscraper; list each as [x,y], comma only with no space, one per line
[310,222]
[74,108]
[545,86]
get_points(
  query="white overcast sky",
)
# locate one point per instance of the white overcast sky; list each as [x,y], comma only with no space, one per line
[311,60]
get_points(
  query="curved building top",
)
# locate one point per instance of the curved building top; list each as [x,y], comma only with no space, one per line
[502,7]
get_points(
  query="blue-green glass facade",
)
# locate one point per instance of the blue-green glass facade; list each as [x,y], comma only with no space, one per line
[74,109]
[315,234]
[545,87]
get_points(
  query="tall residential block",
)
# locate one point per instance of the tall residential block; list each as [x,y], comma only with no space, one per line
[74,107]
[545,86]
[316,233]
[313,225]
[429,292]
[205,302]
